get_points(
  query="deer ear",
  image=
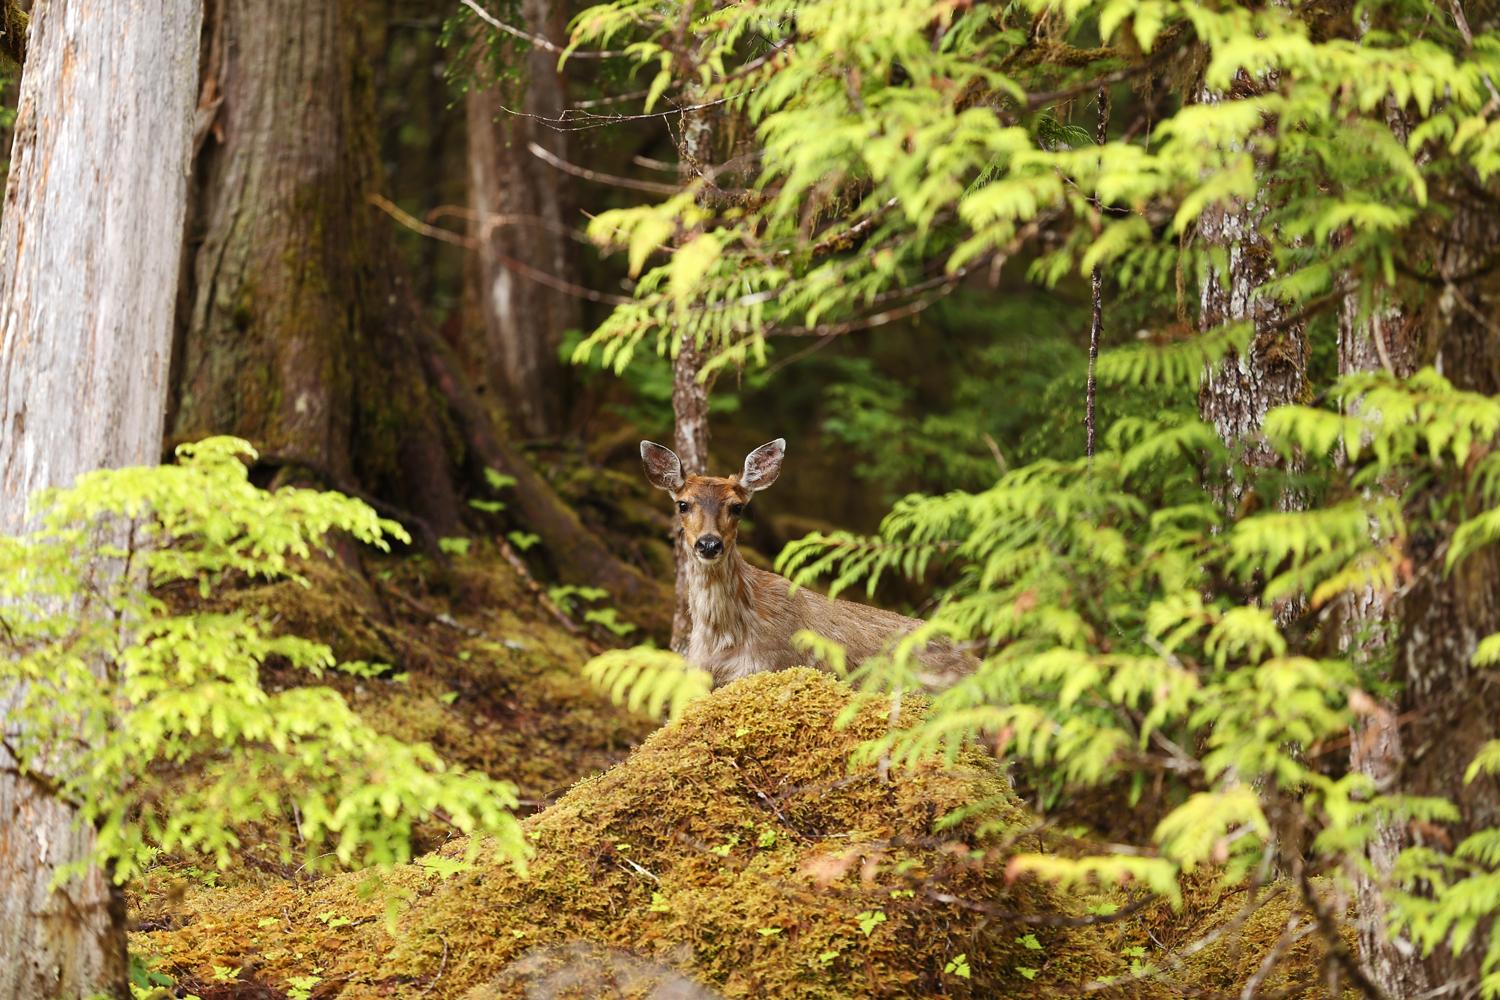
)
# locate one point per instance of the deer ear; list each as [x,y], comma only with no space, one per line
[763,465]
[663,467]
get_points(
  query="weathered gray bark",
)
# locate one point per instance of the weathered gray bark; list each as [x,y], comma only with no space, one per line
[89,251]
[524,321]
[297,323]
[1377,341]
[689,394]
[690,441]
[1272,371]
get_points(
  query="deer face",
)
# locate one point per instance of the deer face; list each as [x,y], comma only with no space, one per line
[709,508]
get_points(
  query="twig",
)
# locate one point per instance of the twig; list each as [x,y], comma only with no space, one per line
[493,221]
[443,965]
[507,262]
[640,869]
[866,322]
[550,158]
[1338,951]
[538,40]
[519,565]
[1096,327]
[577,123]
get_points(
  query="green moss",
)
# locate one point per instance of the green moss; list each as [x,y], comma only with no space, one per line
[737,846]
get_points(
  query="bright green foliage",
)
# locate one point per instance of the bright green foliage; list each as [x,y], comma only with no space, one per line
[899,145]
[1132,624]
[155,724]
[1128,625]
[648,678]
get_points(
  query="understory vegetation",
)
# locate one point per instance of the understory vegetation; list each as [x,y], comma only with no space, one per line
[1147,351]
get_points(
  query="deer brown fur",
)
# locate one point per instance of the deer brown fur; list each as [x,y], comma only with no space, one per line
[744,617]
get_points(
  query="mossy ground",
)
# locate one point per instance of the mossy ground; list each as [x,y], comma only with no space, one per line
[738,846]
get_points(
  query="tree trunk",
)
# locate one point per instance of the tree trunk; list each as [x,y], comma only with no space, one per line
[297,322]
[89,250]
[689,395]
[1272,372]
[1374,343]
[523,320]
[690,441]
[1453,708]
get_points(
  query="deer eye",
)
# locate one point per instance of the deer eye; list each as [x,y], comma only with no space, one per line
[736,509]
[682,506]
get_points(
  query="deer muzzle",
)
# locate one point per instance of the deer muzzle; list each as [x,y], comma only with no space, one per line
[709,547]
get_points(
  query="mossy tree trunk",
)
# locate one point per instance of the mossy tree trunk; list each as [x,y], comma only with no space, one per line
[297,325]
[89,249]
[523,208]
[296,321]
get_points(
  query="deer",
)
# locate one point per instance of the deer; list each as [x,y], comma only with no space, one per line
[743,617]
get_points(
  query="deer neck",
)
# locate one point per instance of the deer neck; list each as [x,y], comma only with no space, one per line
[721,601]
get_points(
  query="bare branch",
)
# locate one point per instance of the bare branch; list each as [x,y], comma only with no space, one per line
[551,159]
[538,40]
[509,263]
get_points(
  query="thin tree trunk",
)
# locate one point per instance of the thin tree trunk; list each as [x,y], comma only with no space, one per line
[524,321]
[689,393]
[690,441]
[1375,739]
[297,323]
[89,252]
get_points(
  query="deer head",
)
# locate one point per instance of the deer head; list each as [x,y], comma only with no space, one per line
[709,508]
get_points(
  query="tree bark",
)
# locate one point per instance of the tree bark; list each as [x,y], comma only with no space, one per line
[689,394]
[524,321]
[89,250]
[1453,706]
[1272,372]
[690,441]
[297,322]
[1370,344]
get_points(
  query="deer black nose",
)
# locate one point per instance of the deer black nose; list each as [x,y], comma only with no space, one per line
[709,546]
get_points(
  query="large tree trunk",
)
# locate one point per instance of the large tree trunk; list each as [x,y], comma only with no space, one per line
[89,251]
[1453,707]
[524,321]
[297,324]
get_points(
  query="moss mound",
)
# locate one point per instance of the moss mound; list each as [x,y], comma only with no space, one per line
[737,846]
[739,849]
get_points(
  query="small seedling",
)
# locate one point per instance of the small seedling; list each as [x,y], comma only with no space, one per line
[454,546]
[959,966]
[767,931]
[1028,973]
[523,540]
[498,480]
[301,987]
[869,920]
[658,904]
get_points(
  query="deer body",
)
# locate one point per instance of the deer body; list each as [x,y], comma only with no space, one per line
[743,618]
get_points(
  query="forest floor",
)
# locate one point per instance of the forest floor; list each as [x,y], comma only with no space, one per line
[743,847]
